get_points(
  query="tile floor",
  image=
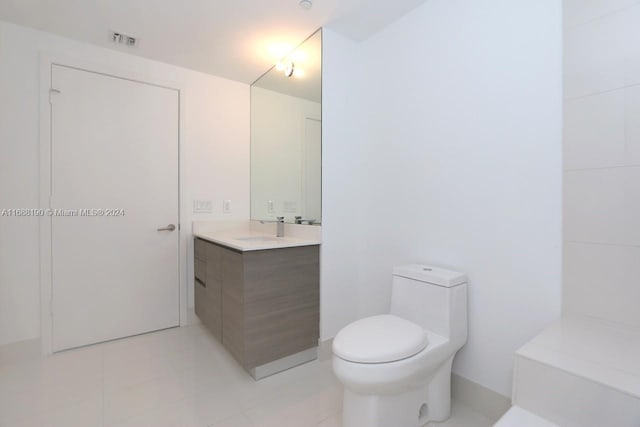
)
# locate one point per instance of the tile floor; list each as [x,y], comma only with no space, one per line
[175,378]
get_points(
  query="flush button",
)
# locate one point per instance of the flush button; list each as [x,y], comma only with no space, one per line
[427,269]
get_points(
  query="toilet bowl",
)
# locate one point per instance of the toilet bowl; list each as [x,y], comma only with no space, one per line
[396,367]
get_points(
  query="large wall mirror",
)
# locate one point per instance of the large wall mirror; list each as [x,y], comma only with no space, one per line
[286,137]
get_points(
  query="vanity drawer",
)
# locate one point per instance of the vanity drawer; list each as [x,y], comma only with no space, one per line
[214,264]
[208,306]
[201,301]
[200,270]
[200,251]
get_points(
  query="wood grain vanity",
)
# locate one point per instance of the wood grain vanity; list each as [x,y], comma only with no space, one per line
[262,305]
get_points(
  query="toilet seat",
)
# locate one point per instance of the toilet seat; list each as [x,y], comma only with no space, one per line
[379,339]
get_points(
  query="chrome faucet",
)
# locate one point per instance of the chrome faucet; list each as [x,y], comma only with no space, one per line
[280,225]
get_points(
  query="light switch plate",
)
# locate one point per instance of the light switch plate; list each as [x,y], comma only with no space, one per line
[202,206]
[226,206]
[270,207]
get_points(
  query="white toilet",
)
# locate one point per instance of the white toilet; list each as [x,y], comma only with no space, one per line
[396,368]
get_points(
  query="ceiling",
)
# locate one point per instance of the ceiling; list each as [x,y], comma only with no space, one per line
[236,39]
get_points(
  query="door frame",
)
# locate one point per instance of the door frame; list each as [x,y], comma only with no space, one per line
[47,61]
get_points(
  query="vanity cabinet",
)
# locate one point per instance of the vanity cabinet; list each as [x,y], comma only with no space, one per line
[263,305]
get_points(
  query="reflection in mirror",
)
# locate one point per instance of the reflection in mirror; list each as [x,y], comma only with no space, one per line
[286,137]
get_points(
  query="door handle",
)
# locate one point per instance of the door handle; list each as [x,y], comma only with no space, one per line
[169,227]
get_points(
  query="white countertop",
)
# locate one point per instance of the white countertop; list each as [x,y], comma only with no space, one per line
[251,240]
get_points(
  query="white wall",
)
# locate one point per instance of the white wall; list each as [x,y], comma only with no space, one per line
[215,141]
[457,135]
[602,159]
[342,185]
[278,126]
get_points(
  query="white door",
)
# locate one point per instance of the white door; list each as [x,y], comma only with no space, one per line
[114,147]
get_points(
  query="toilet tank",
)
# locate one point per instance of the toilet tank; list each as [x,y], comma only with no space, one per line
[433,298]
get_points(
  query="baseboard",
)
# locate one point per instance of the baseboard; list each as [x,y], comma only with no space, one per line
[479,398]
[191,317]
[325,350]
[20,351]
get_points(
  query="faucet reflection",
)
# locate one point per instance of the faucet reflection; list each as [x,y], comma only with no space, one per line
[300,220]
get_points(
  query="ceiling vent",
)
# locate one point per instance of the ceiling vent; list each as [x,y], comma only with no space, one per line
[125,39]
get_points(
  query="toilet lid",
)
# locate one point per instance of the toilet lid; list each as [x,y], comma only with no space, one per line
[379,339]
